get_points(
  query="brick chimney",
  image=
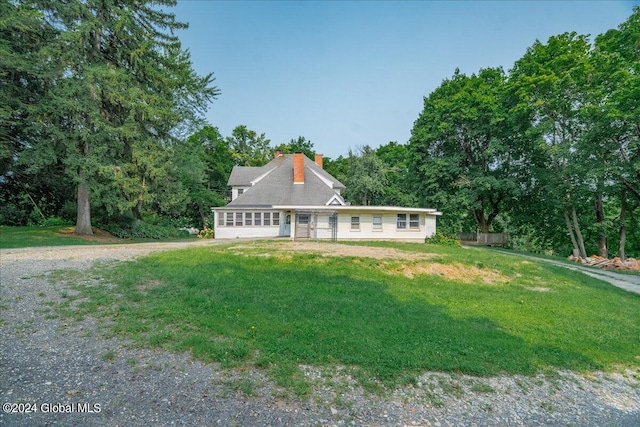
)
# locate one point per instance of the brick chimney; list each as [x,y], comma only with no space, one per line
[277,154]
[298,168]
[318,160]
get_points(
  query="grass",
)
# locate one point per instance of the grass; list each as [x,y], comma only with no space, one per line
[259,306]
[21,237]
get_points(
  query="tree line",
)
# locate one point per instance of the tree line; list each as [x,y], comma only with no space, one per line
[549,151]
[102,122]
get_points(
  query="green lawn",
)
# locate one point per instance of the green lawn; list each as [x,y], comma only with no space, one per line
[463,310]
[22,237]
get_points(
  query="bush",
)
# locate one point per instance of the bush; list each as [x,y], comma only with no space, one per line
[143,230]
[207,233]
[442,240]
[55,221]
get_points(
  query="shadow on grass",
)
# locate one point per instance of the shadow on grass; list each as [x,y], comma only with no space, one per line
[306,310]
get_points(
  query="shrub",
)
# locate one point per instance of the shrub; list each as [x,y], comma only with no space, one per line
[207,233]
[55,221]
[442,240]
[142,230]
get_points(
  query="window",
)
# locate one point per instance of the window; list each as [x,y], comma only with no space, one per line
[248,219]
[377,222]
[333,220]
[402,222]
[355,223]
[240,191]
[414,221]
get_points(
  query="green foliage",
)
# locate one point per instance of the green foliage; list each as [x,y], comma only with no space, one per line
[248,148]
[464,146]
[143,230]
[55,221]
[443,240]
[241,308]
[299,145]
[366,180]
[207,233]
[109,89]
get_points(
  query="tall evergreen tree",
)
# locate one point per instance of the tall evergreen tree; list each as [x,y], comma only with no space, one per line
[124,87]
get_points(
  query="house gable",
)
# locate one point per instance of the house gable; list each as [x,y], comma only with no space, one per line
[273,184]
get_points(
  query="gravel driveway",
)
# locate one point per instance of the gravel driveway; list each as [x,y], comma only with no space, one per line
[58,373]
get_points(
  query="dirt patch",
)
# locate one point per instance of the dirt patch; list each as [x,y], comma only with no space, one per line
[538,289]
[335,250]
[394,261]
[456,271]
[145,287]
[99,236]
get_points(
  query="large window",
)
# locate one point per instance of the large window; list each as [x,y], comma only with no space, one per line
[355,223]
[377,222]
[248,219]
[412,223]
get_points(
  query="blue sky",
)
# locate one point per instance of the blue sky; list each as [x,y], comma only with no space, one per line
[347,74]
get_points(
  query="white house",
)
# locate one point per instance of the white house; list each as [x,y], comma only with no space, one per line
[293,196]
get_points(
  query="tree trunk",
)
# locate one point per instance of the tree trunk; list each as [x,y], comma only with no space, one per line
[83,218]
[601,229]
[483,224]
[576,226]
[623,225]
[576,250]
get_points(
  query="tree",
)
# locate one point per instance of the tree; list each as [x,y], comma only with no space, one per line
[462,148]
[207,186]
[299,145]
[614,91]
[25,77]
[123,87]
[398,191]
[248,148]
[366,179]
[551,79]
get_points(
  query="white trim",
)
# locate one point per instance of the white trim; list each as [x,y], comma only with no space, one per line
[255,181]
[333,199]
[347,208]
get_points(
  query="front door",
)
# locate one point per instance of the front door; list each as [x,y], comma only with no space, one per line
[302,226]
[286,227]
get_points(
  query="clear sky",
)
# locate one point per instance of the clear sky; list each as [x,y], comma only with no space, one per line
[347,74]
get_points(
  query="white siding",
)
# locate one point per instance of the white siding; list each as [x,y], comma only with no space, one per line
[389,229]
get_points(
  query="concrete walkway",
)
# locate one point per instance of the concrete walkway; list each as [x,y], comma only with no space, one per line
[627,282]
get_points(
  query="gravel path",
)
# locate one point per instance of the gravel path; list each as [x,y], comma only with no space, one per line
[627,282]
[72,374]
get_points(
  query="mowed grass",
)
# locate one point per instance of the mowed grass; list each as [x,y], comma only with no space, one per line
[23,237]
[462,310]
[20,237]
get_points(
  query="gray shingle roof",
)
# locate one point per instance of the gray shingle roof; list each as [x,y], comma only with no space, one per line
[277,187]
